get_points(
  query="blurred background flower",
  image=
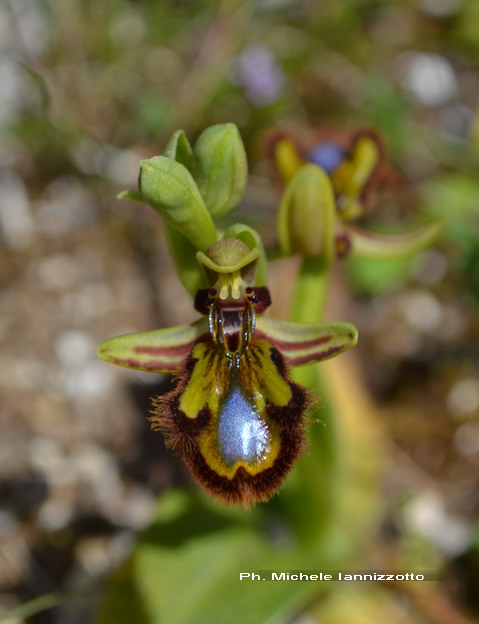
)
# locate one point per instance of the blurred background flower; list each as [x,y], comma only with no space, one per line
[258,72]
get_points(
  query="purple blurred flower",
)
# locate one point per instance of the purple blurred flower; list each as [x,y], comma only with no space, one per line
[258,72]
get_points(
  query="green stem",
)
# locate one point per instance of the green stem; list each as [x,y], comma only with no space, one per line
[310,293]
[311,492]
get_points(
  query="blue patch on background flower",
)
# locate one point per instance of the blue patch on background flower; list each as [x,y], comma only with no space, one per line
[327,155]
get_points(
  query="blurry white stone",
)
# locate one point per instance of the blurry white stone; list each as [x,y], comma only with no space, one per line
[430,78]
[54,515]
[426,515]
[31,22]
[466,439]
[87,382]
[46,456]
[83,155]
[59,272]
[441,8]
[92,301]
[118,165]
[74,347]
[463,398]
[16,221]
[10,93]
[66,206]
[93,554]
[98,467]
[422,310]
[138,507]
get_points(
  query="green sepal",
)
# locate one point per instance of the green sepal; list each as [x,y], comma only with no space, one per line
[252,239]
[178,148]
[220,167]
[157,351]
[170,189]
[303,343]
[369,245]
[183,253]
[306,218]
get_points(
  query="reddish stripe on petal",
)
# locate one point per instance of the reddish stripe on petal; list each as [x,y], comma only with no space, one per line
[295,346]
[305,359]
[153,365]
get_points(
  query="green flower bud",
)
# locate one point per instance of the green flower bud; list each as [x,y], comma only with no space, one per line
[220,168]
[307,215]
[170,189]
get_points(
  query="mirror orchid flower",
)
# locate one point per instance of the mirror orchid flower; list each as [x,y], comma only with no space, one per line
[235,416]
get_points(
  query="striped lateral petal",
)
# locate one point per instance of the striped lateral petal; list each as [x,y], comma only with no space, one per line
[370,245]
[158,351]
[302,343]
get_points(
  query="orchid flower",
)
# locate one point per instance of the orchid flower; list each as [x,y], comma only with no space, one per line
[235,416]
[345,176]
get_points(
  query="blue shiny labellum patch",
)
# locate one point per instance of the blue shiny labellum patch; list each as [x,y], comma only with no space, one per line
[243,436]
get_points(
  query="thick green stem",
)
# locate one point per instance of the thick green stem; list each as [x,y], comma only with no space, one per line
[311,492]
[310,293]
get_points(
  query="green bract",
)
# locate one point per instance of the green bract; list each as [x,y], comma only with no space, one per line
[170,189]
[220,168]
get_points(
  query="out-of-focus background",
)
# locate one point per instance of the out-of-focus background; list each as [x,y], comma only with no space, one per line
[88,88]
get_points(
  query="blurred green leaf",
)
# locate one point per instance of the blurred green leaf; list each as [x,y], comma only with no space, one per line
[198,552]
[373,276]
